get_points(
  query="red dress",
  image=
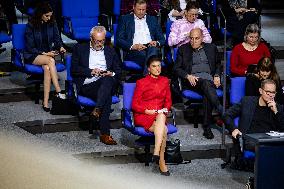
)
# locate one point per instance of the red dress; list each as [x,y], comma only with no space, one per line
[150,93]
[241,58]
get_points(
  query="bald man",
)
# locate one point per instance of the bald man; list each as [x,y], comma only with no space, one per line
[199,69]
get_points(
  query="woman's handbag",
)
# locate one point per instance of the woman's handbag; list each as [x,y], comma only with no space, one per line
[63,106]
[172,152]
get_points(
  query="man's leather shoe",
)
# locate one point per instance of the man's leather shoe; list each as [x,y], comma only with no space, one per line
[208,133]
[96,113]
[107,139]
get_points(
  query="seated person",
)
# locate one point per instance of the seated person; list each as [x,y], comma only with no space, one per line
[42,41]
[153,7]
[176,8]
[181,28]
[239,15]
[257,115]
[96,72]
[197,66]
[139,35]
[248,52]
[265,69]
[152,93]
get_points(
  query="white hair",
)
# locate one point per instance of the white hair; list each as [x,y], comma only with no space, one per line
[99,29]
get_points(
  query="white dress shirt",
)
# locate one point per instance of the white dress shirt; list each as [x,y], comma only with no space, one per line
[96,60]
[142,33]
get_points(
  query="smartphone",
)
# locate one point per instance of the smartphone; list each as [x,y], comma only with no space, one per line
[104,71]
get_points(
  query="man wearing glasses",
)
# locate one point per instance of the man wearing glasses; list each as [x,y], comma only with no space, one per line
[257,115]
[181,28]
[96,72]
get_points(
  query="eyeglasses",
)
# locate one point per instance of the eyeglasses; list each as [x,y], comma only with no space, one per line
[98,41]
[192,14]
[271,93]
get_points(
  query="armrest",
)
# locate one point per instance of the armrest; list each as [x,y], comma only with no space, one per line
[126,115]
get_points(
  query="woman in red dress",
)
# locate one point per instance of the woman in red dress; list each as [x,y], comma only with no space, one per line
[150,104]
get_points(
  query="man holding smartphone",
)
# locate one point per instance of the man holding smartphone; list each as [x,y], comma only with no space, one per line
[257,115]
[96,72]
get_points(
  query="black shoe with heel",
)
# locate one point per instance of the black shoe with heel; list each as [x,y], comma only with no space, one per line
[156,159]
[46,109]
[167,173]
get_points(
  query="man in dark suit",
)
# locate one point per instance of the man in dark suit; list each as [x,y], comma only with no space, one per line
[257,115]
[197,66]
[96,71]
[139,35]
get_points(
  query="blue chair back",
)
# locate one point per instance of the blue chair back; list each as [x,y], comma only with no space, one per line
[116,7]
[175,53]
[18,36]
[168,29]
[114,26]
[128,92]
[228,63]
[237,89]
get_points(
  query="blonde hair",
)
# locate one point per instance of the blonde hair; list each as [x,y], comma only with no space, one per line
[252,28]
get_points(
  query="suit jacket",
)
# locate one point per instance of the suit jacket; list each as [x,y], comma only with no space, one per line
[245,110]
[126,29]
[33,39]
[80,63]
[183,64]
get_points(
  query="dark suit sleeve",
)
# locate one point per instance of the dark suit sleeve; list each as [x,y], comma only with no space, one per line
[217,62]
[179,70]
[232,113]
[77,69]
[30,45]
[56,37]
[116,66]
[121,38]
[280,118]
[159,34]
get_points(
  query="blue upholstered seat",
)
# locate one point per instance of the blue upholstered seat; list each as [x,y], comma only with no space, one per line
[146,138]
[191,95]
[81,100]
[18,41]
[4,37]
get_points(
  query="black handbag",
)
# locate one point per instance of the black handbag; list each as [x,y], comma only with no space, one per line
[172,152]
[63,106]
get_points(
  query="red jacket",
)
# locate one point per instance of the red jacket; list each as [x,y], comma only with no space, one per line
[241,58]
[151,93]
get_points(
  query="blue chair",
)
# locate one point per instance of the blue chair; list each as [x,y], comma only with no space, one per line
[169,55]
[79,17]
[236,94]
[194,97]
[146,138]
[18,41]
[84,102]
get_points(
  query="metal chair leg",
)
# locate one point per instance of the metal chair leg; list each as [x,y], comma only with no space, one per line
[147,155]
[195,117]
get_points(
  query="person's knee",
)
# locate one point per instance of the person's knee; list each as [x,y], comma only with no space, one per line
[45,68]
[51,62]
[161,117]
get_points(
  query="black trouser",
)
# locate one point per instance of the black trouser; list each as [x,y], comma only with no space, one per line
[210,98]
[10,11]
[101,92]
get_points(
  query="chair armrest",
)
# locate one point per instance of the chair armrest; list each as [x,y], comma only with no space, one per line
[125,113]
[172,114]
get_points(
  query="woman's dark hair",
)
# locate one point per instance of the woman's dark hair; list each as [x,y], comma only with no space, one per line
[192,5]
[152,59]
[265,64]
[41,9]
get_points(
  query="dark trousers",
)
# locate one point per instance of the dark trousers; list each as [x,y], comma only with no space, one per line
[10,11]
[210,98]
[141,57]
[101,92]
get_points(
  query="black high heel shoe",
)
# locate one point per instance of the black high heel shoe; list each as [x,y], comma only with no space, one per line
[46,109]
[156,159]
[167,173]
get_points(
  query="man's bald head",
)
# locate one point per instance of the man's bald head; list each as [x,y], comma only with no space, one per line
[196,38]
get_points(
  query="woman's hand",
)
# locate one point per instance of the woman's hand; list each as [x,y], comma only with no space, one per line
[51,53]
[150,112]
[62,50]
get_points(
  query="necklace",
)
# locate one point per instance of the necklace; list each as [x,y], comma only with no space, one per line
[249,47]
